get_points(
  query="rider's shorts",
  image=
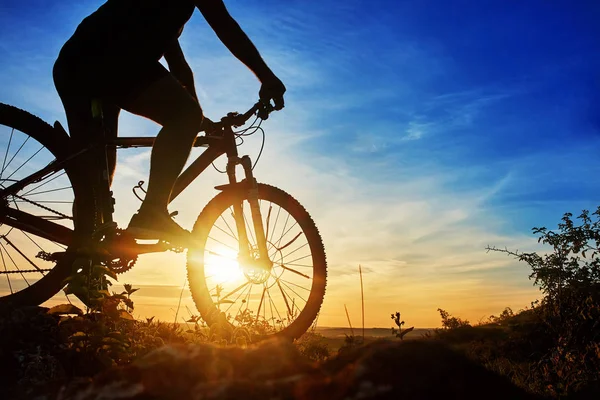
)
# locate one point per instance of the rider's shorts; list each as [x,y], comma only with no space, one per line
[84,79]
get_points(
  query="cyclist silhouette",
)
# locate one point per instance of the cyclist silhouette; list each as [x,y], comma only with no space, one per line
[113,56]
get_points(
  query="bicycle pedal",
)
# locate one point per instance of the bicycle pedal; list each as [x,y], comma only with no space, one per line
[53,257]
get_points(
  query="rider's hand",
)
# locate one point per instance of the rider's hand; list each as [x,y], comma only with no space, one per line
[272,89]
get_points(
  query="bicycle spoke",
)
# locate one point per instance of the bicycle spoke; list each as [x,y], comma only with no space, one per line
[44,183]
[274,226]
[226,233]
[298,286]
[214,253]
[235,290]
[32,241]
[228,227]
[12,132]
[297,259]
[43,202]
[226,245]
[290,242]
[293,291]
[268,219]
[15,264]
[262,297]
[26,161]
[242,303]
[14,155]
[248,299]
[284,226]
[6,270]
[273,305]
[284,297]
[294,271]
[292,252]
[286,232]
[50,191]
[236,299]
[299,265]
[11,244]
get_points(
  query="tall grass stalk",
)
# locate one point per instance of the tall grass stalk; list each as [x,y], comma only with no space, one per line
[362,300]
[179,304]
[349,323]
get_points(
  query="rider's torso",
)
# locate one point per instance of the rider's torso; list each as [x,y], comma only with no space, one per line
[130,28]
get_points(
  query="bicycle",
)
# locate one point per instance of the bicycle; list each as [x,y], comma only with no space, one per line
[53,213]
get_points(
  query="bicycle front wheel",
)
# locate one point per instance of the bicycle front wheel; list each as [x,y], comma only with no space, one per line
[284,301]
[36,222]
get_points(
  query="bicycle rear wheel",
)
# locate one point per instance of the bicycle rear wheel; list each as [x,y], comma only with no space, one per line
[282,302]
[36,223]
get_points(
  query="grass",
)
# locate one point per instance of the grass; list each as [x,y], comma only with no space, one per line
[52,348]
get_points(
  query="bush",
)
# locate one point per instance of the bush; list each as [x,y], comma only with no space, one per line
[504,316]
[314,346]
[569,278]
[450,322]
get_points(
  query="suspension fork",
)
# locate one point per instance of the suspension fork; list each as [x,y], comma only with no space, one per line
[251,185]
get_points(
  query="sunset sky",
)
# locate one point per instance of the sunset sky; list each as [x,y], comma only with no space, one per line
[416,133]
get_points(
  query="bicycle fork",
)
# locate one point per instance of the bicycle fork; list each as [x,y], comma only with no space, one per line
[247,252]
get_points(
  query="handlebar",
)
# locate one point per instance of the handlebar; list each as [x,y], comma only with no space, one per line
[261,109]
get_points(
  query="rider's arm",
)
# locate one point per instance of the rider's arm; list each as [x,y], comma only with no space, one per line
[233,37]
[180,68]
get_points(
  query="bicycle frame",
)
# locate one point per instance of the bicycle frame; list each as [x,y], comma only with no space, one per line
[215,147]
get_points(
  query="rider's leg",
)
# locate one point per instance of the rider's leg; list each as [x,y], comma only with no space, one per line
[77,97]
[168,103]
[82,128]
[110,123]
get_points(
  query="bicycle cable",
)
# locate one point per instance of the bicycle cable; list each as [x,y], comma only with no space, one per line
[244,133]
[256,128]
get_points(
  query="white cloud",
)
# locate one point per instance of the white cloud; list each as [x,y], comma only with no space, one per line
[420,238]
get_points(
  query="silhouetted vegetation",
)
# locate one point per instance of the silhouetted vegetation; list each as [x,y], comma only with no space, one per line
[451,322]
[569,313]
[551,349]
[313,346]
[400,332]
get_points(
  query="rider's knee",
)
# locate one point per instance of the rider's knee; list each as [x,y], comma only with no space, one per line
[187,119]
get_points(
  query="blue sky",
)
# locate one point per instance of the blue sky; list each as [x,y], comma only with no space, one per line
[416,133]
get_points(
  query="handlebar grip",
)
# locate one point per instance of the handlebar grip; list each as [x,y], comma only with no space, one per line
[263,113]
[264,109]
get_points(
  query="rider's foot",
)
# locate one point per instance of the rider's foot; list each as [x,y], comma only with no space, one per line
[152,224]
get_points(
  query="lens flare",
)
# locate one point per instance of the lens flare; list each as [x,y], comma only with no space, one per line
[222,266]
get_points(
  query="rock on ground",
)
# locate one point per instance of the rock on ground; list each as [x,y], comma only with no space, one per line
[276,370]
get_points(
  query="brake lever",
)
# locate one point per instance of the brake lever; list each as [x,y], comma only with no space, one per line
[264,110]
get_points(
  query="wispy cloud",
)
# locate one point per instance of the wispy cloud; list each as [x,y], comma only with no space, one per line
[410,159]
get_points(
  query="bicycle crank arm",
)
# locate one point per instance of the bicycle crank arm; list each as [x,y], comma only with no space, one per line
[131,249]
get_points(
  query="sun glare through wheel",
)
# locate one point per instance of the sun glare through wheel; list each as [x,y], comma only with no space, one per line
[265,296]
[221,265]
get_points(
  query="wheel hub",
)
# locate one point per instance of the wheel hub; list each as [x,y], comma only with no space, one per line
[255,269]
[257,275]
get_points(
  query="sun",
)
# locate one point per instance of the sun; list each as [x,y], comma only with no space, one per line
[222,265]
